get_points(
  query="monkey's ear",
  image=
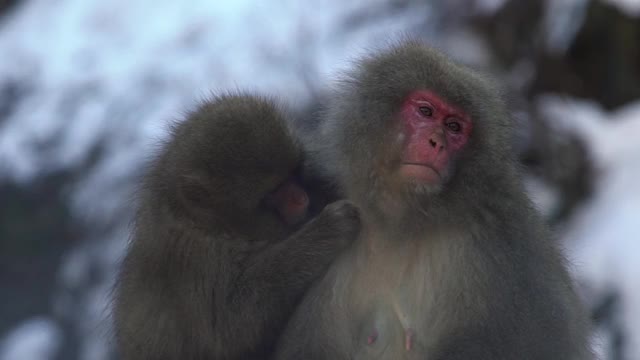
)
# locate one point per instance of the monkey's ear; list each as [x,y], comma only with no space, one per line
[193,193]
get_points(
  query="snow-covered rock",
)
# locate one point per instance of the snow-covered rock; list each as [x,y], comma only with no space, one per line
[37,338]
[603,238]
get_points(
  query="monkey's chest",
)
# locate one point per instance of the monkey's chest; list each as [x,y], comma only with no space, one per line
[395,304]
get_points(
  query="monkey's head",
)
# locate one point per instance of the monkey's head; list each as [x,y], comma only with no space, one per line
[232,162]
[409,128]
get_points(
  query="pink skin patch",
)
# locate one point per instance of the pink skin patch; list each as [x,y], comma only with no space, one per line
[373,337]
[434,130]
[291,201]
[409,336]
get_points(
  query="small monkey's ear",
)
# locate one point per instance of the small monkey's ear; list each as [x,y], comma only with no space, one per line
[192,192]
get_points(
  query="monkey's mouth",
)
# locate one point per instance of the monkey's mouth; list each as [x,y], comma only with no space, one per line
[421,172]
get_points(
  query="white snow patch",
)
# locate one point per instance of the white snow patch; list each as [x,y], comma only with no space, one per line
[97,68]
[489,6]
[35,339]
[603,236]
[562,20]
[630,7]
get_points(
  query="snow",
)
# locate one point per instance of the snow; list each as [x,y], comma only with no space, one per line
[107,77]
[562,21]
[37,338]
[93,64]
[110,75]
[630,7]
[603,237]
[489,6]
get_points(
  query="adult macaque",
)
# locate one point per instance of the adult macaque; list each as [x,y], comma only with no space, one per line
[453,262]
[221,254]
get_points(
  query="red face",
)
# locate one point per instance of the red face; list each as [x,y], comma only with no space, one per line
[291,202]
[434,131]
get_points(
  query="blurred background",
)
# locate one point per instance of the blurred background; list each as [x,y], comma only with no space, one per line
[87,86]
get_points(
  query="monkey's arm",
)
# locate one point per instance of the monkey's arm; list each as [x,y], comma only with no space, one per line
[541,322]
[497,342]
[268,290]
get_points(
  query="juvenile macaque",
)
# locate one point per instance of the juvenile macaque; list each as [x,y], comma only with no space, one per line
[223,248]
[453,262]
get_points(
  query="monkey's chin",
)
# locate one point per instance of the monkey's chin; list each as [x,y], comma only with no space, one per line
[420,174]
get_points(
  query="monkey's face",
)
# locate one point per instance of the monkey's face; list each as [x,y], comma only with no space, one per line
[411,129]
[432,132]
[290,201]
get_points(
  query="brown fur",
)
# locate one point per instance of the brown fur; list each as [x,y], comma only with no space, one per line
[210,272]
[470,269]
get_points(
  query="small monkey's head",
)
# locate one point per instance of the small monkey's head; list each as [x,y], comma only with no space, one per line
[233,159]
[410,127]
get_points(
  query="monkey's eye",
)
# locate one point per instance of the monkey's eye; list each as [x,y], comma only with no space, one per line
[453,125]
[426,110]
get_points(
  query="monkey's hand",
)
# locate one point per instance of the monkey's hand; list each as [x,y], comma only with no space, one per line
[290,266]
[310,250]
[338,223]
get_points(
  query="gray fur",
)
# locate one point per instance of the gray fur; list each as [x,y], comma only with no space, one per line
[471,269]
[210,273]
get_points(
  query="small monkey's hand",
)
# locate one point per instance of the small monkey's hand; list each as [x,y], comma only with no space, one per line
[320,241]
[341,220]
[293,264]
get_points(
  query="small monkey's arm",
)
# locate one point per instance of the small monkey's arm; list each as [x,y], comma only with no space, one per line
[285,270]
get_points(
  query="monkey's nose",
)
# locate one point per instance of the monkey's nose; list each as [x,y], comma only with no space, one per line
[436,142]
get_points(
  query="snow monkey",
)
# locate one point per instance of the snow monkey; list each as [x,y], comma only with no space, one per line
[225,243]
[452,262]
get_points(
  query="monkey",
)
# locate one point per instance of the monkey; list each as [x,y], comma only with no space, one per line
[224,242]
[452,261]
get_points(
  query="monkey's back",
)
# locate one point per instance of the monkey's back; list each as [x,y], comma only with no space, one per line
[199,222]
